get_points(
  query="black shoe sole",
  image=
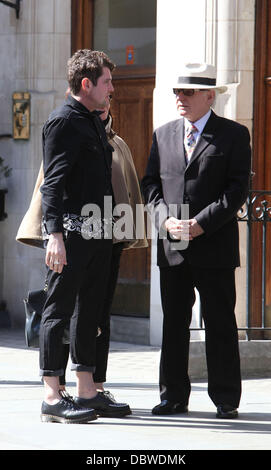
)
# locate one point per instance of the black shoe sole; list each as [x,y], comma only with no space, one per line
[58,419]
[113,414]
[233,416]
[170,413]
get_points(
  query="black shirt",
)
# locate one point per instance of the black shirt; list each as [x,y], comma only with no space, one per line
[77,163]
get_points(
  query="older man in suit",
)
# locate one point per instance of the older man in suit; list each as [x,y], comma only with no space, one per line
[201,160]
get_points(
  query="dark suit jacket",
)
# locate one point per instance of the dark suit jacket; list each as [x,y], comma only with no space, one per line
[215,185]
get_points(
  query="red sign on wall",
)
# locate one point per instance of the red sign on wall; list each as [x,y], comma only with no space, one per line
[129,55]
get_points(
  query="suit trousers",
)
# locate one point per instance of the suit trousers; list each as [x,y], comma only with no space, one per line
[103,340]
[75,297]
[217,293]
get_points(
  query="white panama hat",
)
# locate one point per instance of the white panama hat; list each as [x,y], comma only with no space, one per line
[201,76]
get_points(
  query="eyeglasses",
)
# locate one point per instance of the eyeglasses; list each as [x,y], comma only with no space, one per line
[186,91]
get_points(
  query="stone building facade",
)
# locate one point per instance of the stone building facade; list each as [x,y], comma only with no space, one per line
[34,51]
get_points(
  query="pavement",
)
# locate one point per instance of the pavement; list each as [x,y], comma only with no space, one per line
[132,378]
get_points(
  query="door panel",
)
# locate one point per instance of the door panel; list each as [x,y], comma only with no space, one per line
[82,17]
[132,120]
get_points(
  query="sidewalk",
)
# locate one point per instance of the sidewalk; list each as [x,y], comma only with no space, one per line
[133,378]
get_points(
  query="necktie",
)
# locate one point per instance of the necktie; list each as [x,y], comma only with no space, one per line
[190,140]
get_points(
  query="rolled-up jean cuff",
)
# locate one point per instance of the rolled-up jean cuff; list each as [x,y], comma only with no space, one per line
[83,368]
[51,373]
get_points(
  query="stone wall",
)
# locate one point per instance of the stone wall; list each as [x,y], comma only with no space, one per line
[222,34]
[235,61]
[33,53]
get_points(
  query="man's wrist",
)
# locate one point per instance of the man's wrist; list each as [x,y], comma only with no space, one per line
[58,235]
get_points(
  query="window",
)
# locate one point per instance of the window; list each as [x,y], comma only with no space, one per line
[126,31]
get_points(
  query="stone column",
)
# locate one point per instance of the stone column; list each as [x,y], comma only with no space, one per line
[222,33]
[180,39]
[35,51]
[235,59]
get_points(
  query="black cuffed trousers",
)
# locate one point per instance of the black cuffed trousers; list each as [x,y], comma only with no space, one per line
[103,340]
[76,298]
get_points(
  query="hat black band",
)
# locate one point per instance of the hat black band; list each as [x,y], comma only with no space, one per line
[197,81]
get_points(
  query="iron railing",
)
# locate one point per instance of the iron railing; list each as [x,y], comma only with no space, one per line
[257,209]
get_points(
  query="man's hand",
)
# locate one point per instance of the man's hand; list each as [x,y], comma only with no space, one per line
[194,228]
[178,229]
[56,252]
[183,229]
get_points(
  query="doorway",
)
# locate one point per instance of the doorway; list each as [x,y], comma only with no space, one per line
[126,31]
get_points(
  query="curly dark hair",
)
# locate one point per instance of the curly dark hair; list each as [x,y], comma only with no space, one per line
[86,63]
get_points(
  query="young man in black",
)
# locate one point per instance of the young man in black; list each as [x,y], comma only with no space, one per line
[77,172]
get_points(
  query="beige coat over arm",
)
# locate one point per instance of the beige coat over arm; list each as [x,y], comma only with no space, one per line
[125,188]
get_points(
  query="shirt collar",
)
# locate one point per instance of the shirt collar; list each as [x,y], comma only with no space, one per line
[80,107]
[200,123]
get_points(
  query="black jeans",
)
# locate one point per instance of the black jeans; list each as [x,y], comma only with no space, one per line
[216,288]
[103,340]
[75,297]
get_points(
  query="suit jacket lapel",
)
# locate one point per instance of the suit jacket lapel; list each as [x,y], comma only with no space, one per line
[178,134]
[205,138]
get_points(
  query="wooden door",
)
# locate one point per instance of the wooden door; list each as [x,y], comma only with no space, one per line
[261,165]
[132,119]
